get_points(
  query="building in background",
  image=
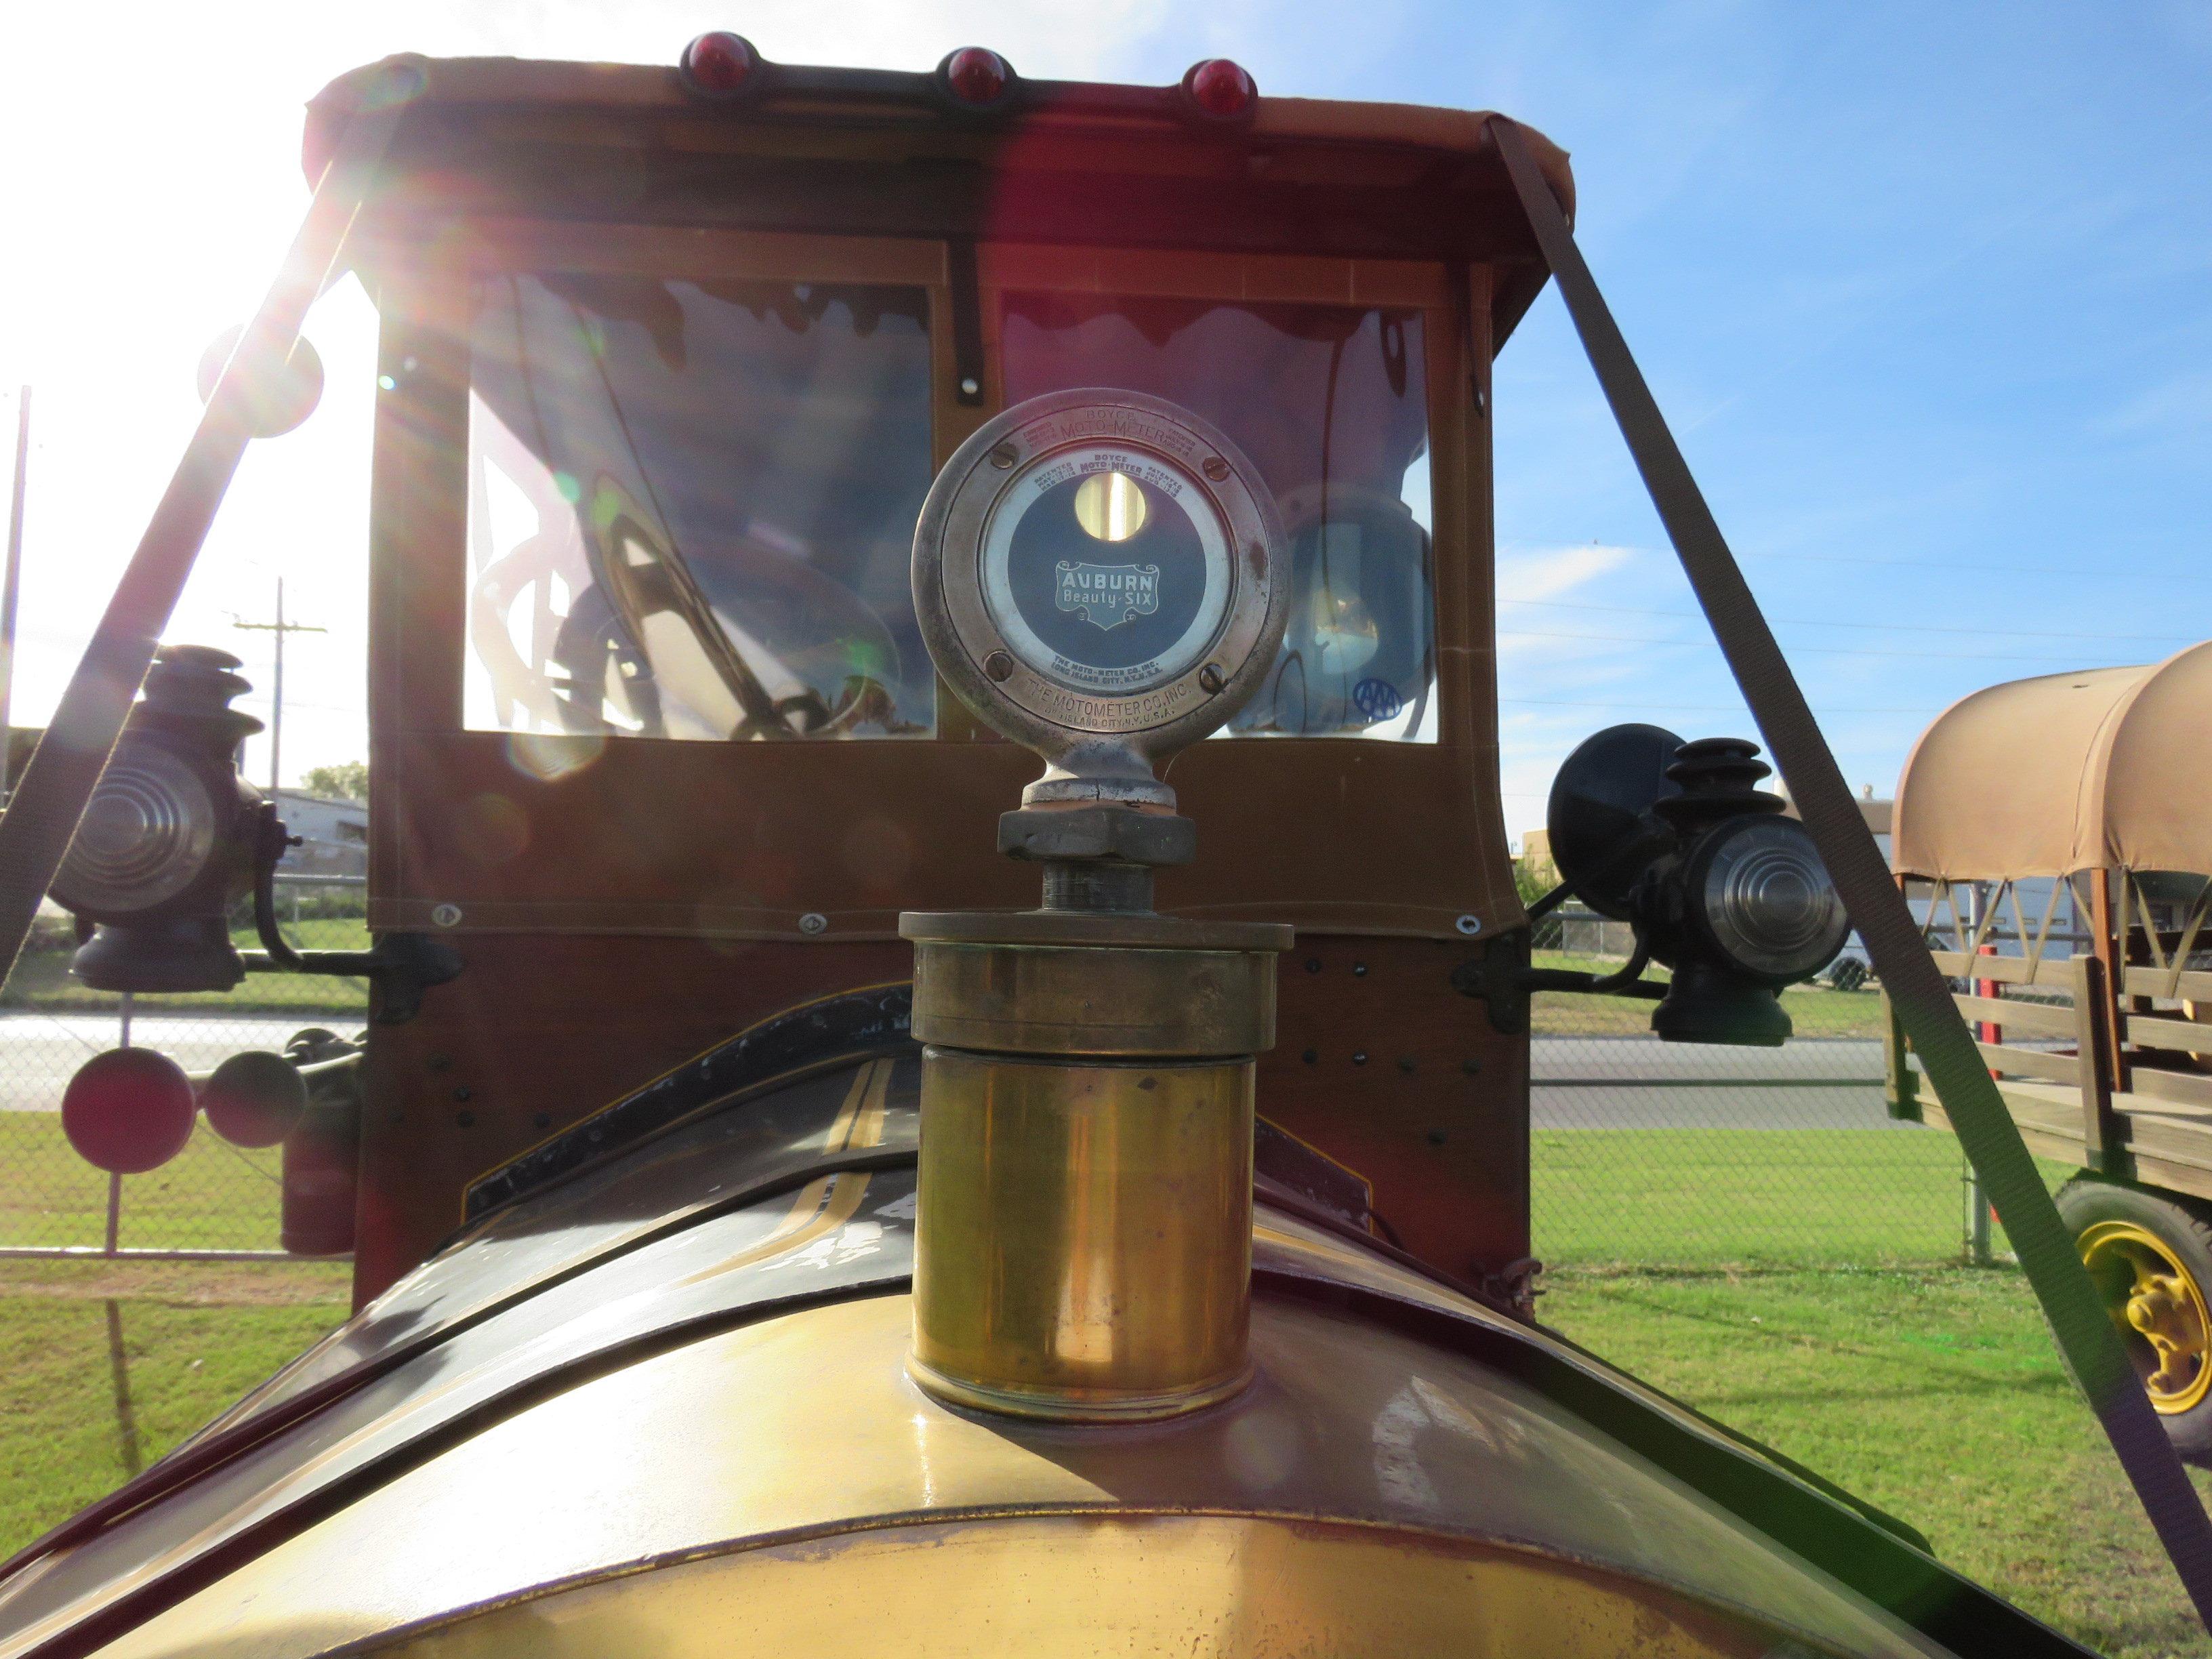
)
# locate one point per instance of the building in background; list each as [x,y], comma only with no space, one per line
[333,835]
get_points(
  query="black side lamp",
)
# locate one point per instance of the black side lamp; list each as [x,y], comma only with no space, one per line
[168,840]
[1677,839]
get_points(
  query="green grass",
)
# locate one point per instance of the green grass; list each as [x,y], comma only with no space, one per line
[110,1365]
[1815,1010]
[1706,1198]
[1933,1393]
[1747,1200]
[211,1196]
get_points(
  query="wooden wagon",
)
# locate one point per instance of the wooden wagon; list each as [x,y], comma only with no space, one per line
[2057,831]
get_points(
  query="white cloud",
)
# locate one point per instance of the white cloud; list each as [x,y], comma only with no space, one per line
[2178,407]
[1547,573]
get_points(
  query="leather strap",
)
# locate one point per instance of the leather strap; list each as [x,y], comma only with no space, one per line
[2078,1321]
[41,819]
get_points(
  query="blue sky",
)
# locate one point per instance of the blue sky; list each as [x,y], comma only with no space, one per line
[1927,292]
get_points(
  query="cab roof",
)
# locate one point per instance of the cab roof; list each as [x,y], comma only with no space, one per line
[1050,160]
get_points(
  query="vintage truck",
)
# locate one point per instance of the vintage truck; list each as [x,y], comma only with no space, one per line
[2054,831]
[774,1228]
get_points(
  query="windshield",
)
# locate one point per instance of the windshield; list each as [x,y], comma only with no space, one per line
[1331,404]
[692,503]
[692,506]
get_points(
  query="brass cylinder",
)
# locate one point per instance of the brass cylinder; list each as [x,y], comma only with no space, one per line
[1083,1000]
[1082,1242]
[1083,1236]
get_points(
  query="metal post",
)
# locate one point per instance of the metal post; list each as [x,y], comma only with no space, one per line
[277,702]
[1978,1201]
[115,1177]
[1978,1217]
[10,584]
[118,1372]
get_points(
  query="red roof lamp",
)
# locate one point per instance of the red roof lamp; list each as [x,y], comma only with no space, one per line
[720,65]
[976,75]
[1221,88]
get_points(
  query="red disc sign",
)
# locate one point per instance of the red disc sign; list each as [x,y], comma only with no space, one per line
[128,1110]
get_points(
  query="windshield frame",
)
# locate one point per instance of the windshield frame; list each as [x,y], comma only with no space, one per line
[429,858]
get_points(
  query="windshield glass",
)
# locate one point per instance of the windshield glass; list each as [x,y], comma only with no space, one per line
[692,508]
[1331,404]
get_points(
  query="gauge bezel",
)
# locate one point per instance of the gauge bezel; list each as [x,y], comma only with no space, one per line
[1028,704]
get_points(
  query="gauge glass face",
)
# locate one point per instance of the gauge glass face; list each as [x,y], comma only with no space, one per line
[1107,570]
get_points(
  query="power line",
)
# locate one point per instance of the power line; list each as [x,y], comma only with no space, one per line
[255,701]
[1876,627]
[1699,707]
[1819,650]
[2105,574]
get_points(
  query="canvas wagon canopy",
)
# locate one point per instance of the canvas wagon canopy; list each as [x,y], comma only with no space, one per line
[2098,769]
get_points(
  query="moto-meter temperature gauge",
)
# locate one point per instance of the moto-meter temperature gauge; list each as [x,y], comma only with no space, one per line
[1099,576]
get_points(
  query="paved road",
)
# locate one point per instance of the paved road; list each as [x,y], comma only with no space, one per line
[1640,1083]
[1581,1083]
[39,1051]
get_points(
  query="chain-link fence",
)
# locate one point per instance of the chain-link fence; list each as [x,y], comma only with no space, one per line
[1657,1155]
[213,1195]
[1646,1154]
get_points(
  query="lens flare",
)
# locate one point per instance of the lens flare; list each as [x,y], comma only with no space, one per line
[546,756]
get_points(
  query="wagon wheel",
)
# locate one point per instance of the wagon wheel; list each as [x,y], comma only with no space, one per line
[2151,1261]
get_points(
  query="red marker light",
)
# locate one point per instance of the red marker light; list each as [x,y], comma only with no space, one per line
[128,1110]
[976,75]
[720,65]
[1221,88]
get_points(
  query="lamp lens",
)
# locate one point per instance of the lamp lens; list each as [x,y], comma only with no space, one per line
[1768,901]
[146,836]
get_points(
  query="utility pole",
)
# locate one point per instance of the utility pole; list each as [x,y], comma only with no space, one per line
[9,585]
[280,628]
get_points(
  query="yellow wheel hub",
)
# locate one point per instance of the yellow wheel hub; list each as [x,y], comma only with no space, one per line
[2159,1308]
